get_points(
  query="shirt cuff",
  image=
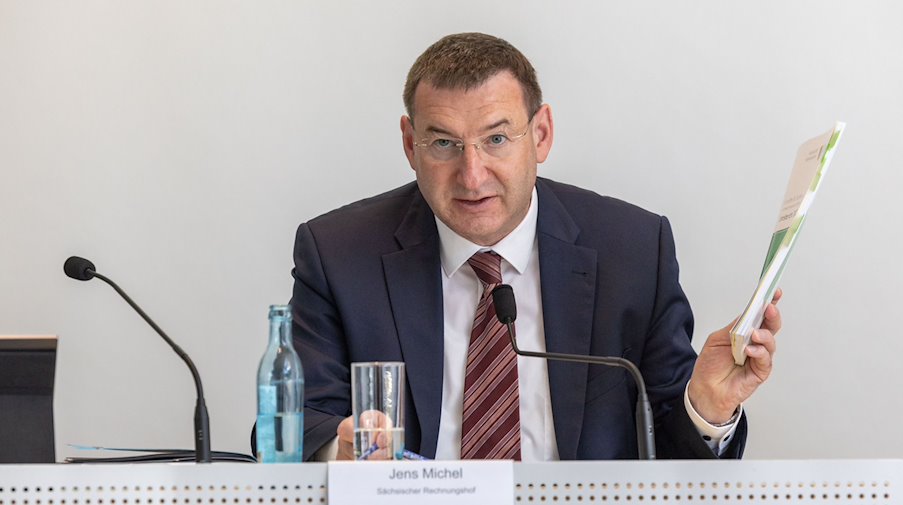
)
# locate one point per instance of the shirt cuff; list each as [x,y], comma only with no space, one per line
[716,437]
[328,452]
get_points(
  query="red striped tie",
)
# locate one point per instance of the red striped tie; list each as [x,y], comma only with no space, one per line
[490,427]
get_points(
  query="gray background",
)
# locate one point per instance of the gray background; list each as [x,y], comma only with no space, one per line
[179,144]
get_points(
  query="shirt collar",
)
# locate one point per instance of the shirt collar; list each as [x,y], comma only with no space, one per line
[516,248]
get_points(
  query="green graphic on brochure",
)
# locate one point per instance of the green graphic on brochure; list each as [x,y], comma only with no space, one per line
[812,161]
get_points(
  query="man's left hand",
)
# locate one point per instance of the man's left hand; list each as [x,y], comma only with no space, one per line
[718,386]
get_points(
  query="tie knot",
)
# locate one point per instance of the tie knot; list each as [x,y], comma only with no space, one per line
[488,267]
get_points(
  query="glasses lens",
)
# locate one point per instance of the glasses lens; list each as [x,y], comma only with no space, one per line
[497,146]
[443,149]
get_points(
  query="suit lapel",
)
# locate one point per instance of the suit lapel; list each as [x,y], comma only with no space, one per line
[568,277]
[415,293]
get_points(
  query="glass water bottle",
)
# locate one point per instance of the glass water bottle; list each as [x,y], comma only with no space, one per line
[280,394]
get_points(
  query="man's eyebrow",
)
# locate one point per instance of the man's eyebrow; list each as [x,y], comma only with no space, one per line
[495,125]
[442,131]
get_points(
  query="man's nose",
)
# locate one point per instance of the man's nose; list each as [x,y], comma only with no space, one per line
[473,166]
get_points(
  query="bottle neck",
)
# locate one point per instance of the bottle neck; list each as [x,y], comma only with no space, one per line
[280,325]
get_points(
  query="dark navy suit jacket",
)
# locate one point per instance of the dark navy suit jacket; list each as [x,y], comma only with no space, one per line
[368,287]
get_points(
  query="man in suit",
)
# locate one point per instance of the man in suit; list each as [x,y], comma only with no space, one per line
[394,278]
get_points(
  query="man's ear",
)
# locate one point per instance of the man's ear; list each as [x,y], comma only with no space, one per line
[407,139]
[543,132]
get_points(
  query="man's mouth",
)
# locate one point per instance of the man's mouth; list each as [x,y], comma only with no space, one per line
[474,202]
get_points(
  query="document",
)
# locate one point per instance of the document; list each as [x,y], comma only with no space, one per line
[418,482]
[809,169]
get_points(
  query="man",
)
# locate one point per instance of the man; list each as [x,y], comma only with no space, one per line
[401,276]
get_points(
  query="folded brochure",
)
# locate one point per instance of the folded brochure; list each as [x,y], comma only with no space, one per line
[812,161]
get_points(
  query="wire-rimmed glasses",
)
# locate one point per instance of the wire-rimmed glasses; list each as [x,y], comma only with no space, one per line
[496,145]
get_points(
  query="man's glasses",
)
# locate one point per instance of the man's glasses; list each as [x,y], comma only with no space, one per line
[496,145]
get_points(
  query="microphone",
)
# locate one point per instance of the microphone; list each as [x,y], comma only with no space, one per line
[81,269]
[506,311]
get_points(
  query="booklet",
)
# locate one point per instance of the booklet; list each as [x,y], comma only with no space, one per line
[812,161]
[155,455]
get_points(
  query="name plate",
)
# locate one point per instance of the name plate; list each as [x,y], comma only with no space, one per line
[418,482]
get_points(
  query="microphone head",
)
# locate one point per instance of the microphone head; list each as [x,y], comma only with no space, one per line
[505,307]
[79,269]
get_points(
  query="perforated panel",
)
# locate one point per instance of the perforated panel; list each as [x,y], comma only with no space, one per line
[675,492]
[873,482]
[672,482]
[157,484]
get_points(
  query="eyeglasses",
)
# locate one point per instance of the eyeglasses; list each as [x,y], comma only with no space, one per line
[496,145]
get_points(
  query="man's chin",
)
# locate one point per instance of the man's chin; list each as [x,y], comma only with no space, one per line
[478,231]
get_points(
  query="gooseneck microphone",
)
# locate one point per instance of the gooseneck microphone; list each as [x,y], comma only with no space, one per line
[506,311]
[83,270]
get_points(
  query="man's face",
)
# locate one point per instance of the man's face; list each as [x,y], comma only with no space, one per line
[482,194]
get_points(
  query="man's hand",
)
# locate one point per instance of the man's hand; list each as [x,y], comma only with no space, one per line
[371,419]
[345,432]
[718,386]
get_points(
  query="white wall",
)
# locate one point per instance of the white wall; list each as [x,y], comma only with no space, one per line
[178,145]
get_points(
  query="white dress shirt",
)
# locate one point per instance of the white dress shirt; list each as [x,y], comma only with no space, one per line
[461,291]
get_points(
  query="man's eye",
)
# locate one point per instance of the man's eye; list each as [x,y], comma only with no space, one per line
[443,143]
[497,139]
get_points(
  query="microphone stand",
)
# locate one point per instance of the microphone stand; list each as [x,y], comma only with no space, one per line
[201,418]
[645,429]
